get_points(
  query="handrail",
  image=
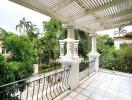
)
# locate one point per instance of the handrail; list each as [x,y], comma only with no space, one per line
[116,64]
[49,86]
[84,68]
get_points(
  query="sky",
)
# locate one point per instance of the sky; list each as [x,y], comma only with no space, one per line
[11,13]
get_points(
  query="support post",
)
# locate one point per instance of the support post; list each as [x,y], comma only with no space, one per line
[93,55]
[0,47]
[61,48]
[71,58]
[70,36]
[35,66]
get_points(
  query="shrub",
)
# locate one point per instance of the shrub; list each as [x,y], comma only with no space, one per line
[6,74]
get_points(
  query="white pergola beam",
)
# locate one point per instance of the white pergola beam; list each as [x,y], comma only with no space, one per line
[126,16]
[125,12]
[62,5]
[117,26]
[92,11]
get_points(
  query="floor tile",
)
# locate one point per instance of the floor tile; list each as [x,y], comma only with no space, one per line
[74,94]
[104,86]
[81,97]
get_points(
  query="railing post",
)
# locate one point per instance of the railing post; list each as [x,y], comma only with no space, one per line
[76,47]
[93,55]
[35,66]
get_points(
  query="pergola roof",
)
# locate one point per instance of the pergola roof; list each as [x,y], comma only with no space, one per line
[88,15]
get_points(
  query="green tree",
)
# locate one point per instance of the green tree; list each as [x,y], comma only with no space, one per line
[6,76]
[105,46]
[84,43]
[21,51]
[125,52]
[53,31]
[3,33]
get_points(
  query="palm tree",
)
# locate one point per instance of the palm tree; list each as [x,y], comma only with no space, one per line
[32,30]
[2,33]
[22,26]
[28,27]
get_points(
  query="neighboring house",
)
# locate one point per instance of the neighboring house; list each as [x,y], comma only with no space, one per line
[120,40]
[3,51]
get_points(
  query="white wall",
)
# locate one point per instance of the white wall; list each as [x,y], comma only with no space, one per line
[118,42]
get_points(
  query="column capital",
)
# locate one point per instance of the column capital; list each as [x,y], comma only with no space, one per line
[93,34]
[61,41]
[69,25]
[70,31]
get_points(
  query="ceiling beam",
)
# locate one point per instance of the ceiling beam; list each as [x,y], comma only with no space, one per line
[103,7]
[62,4]
[117,22]
[124,12]
[117,26]
[106,20]
[79,2]
[124,18]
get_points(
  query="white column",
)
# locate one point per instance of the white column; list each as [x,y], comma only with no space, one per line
[0,47]
[94,48]
[35,66]
[70,37]
[72,47]
[71,58]
[71,32]
[61,48]
[93,55]
[76,47]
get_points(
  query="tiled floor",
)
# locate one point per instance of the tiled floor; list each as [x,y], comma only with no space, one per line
[103,86]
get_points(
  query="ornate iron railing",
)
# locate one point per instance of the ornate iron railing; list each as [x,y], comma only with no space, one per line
[116,64]
[84,68]
[46,87]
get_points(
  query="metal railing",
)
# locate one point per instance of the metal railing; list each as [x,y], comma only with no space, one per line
[47,87]
[84,68]
[116,64]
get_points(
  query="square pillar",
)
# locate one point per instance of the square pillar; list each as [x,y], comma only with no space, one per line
[35,66]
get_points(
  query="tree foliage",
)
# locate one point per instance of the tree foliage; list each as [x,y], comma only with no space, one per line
[84,43]
[105,46]
[22,53]
[53,32]
[112,59]
[125,52]
[6,74]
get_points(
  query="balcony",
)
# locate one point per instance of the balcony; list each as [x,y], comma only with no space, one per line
[102,85]
[74,82]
